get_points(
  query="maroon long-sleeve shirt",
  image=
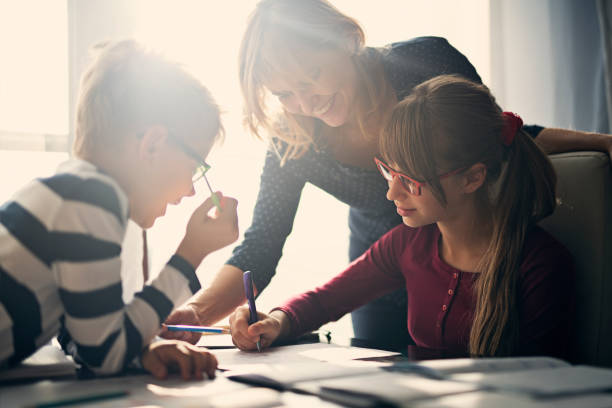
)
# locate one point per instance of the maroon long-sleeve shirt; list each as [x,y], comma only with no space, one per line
[441,298]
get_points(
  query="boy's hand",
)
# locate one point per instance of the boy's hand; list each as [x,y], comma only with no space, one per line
[266,329]
[207,233]
[185,314]
[160,357]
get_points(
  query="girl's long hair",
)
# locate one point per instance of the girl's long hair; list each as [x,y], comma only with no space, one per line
[279,35]
[449,123]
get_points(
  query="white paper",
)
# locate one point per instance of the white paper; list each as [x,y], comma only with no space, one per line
[547,382]
[275,355]
[485,365]
[290,374]
[390,387]
[216,340]
[346,353]
[230,359]
[501,400]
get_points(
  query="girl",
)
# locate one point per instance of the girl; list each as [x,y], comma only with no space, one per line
[481,278]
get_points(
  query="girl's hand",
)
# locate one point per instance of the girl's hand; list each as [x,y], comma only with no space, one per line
[172,355]
[267,329]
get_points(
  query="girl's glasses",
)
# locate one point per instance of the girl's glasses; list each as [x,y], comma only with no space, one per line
[411,185]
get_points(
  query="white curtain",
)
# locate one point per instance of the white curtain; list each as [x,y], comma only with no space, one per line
[604,10]
[548,62]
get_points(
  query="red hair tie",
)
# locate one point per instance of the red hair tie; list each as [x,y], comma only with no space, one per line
[513,124]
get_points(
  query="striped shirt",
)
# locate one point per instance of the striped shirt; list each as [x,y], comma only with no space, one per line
[60,266]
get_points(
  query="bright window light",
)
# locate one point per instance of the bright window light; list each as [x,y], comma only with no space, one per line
[34,68]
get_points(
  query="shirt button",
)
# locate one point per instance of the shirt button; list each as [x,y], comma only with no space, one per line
[444,307]
[450,292]
[455,275]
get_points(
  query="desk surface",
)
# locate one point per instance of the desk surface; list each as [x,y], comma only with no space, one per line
[144,390]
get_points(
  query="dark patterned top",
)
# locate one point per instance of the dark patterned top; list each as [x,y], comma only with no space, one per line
[406,65]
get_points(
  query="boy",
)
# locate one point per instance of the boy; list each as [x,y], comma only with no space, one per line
[143,129]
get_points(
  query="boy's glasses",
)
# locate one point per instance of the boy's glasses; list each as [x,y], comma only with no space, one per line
[411,185]
[201,169]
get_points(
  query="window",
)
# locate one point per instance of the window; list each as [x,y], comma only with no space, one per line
[33,90]
[34,75]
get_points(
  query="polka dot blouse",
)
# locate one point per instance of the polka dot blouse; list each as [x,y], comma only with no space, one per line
[406,64]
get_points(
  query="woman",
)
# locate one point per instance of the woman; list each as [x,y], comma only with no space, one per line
[334,94]
[481,277]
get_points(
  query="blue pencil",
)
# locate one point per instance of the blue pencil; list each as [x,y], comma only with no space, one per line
[199,329]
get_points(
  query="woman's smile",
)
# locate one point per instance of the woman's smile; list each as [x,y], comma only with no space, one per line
[325,108]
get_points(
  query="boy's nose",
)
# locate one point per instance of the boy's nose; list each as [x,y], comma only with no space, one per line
[191,192]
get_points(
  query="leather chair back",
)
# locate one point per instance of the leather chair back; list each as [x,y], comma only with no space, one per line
[583,223]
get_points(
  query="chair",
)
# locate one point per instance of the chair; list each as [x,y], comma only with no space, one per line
[583,223]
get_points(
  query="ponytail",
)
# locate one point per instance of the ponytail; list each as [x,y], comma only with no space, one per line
[526,195]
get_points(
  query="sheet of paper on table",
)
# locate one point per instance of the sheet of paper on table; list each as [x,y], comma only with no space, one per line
[218,341]
[302,353]
[382,388]
[514,400]
[545,383]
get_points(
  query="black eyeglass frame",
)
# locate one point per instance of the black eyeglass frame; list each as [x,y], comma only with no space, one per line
[203,167]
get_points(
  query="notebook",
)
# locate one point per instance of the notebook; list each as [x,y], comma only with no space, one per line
[48,362]
[535,379]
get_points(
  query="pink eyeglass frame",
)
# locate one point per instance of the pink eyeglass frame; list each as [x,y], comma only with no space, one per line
[404,179]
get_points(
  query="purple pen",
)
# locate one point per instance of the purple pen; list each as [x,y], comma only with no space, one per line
[248,292]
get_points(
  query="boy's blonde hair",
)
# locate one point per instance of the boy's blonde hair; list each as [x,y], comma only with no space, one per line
[127,88]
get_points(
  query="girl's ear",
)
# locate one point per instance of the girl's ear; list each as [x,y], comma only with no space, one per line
[153,142]
[474,178]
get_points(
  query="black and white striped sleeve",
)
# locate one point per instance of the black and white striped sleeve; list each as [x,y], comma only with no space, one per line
[87,234]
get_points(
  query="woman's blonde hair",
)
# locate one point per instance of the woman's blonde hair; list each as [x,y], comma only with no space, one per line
[127,88]
[277,32]
[449,123]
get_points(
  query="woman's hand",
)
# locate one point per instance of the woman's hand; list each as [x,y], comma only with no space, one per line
[267,329]
[171,355]
[186,314]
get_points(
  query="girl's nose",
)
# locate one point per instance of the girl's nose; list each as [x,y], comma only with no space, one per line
[396,190]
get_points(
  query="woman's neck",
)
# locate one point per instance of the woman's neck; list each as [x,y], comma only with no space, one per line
[357,146]
[465,238]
